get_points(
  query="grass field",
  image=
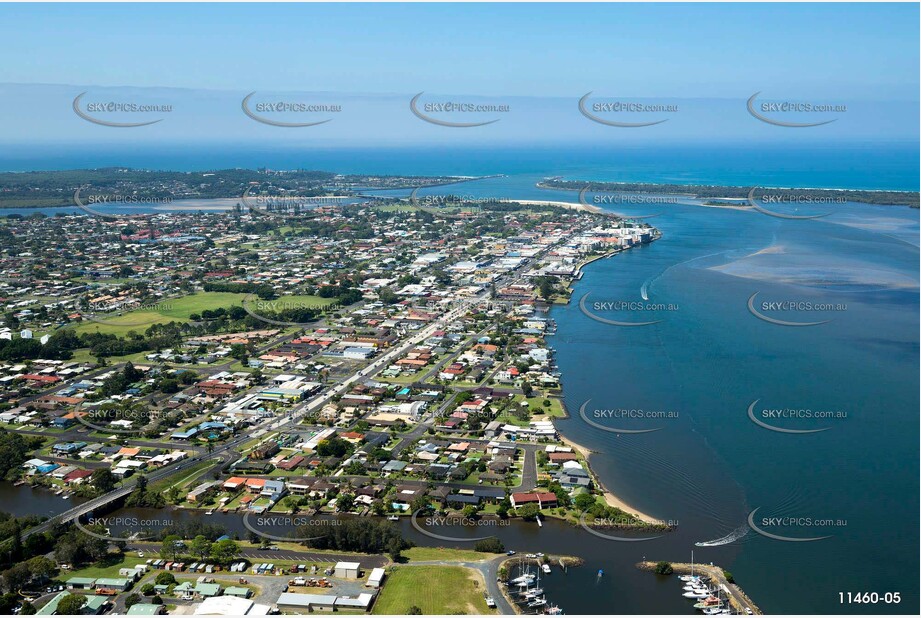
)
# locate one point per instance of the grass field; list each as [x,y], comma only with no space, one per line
[179,310]
[433,589]
[184,477]
[106,568]
[416,554]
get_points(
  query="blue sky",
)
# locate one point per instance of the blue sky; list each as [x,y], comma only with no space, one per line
[845,51]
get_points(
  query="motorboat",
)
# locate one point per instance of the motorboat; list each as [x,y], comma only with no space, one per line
[710,601]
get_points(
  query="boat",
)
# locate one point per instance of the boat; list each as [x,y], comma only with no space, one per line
[710,601]
[553,610]
[712,611]
[600,572]
[65,497]
[538,602]
[211,512]
[696,594]
[545,568]
[525,579]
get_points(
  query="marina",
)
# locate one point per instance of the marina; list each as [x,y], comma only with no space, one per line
[525,590]
[708,588]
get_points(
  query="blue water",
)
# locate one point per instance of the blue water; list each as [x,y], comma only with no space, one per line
[878,165]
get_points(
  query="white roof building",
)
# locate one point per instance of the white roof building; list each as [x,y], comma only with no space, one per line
[230,606]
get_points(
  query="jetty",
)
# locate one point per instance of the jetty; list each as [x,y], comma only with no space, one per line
[738,600]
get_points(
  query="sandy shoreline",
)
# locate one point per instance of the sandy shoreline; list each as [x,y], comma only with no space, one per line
[609,497]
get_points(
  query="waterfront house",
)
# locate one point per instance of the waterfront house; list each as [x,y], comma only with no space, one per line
[542,499]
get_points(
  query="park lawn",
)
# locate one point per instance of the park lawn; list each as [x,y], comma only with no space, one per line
[555,410]
[106,568]
[82,355]
[168,310]
[419,554]
[434,590]
[403,378]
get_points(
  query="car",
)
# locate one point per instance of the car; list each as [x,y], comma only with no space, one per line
[140,554]
[510,552]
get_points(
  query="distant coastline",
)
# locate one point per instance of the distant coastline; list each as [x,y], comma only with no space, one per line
[717,192]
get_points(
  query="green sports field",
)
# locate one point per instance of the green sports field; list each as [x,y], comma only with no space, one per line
[433,589]
[179,310]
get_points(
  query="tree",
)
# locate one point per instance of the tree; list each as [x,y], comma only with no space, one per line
[133,599]
[165,579]
[528,512]
[293,503]
[103,480]
[224,551]
[200,546]
[584,501]
[41,567]
[419,503]
[345,502]
[16,577]
[414,611]
[334,447]
[147,590]
[395,549]
[171,548]
[71,604]
[491,545]
[526,388]
[27,609]
[664,568]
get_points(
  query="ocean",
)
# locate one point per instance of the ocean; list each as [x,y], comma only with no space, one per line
[810,163]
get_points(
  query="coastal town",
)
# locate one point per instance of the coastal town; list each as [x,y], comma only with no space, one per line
[319,376]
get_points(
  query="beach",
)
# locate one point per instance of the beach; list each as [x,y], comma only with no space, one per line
[610,498]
